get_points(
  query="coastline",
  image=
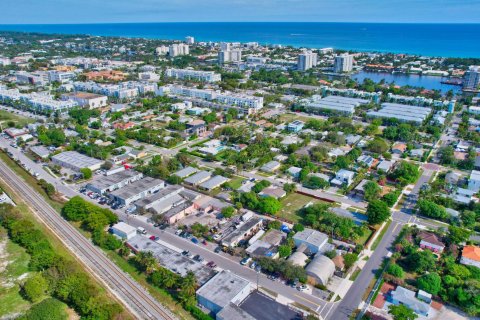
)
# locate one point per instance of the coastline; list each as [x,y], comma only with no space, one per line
[406,38]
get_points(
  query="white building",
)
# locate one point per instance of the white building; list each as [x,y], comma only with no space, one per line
[189,40]
[190,74]
[148,76]
[343,63]
[307,60]
[87,99]
[124,231]
[4,61]
[60,76]
[225,56]
[178,49]
[162,50]
[76,161]
[42,103]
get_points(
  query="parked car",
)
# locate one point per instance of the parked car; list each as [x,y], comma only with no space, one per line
[218,249]
[194,240]
[303,287]
[204,242]
[185,253]
[245,261]
[178,232]
[152,238]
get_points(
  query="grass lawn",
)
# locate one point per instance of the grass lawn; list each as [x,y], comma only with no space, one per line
[380,236]
[288,117]
[291,204]
[6,116]
[236,182]
[363,240]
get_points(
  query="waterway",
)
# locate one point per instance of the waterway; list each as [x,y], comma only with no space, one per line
[414,80]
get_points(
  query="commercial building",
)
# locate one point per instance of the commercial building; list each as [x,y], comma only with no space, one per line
[40,151]
[87,99]
[190,74]
[314,240]
[224,288]
[343,63]
[332,104]
[198,178]
[162,200]
[103,184]
[243,231]
[178,49]
[306,60]
[471,78]
[76,161]
[401,112]
[123,230]
[320,269]
[137,190]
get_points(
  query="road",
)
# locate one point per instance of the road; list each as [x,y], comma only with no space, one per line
[133,296]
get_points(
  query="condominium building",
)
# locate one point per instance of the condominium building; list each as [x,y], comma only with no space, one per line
[225,56]
[178,49]
[189,40]
[86,99]
[471,78]
[162,50]
[42,103]
[148,76]
[190,74]
[307,60]
[343,63]
[60,76]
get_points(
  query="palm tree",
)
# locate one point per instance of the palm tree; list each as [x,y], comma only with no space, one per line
[189,284]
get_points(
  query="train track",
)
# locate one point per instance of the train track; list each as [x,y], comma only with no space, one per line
[134,297]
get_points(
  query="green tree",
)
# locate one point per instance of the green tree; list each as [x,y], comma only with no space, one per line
[378,145]
[371,191]
[228,212]
[430,282]
[35,287]
[50,309]
[86,173]
[377,212]
[395,270]
[269,205]
[401,312]
[431,209]
[349,259]
[457,235]
[289,187]
[420,261]
[284,251]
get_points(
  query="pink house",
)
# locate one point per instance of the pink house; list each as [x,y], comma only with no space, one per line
[431,242]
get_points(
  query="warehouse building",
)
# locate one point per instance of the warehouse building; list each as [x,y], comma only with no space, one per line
[333,104]
[103,184]
[137,190]
[401,112]
[313,239]
[123,230]
[320,270]
[156,199]
[76,161]
[224,288]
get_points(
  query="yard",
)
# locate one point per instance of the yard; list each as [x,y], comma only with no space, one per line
[291,204]
[6,116]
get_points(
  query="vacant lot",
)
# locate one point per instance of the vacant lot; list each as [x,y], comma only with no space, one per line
[291,204]
[6,117]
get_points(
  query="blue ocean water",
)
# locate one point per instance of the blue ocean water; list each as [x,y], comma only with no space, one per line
[447,40]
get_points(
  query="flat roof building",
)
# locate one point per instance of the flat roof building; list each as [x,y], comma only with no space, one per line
[401,112]
[137,190]
[103,184]
[123,230]
[76,161]
[224,288]
[198,178]
[40,151]
[313,239]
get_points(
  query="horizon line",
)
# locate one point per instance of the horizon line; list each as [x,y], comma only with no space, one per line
[211,22]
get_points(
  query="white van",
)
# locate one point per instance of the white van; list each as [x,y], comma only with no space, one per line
[141,230]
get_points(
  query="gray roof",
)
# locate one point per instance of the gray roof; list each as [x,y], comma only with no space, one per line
[233,312]
[223,288]
[167,191]
[214,182]
[269,166]
[321,268]
[77,159]
[40,151]
[198,177]
[401,112]
[312,237]
[104,182]
[185,172]
[407,297]
[137,187]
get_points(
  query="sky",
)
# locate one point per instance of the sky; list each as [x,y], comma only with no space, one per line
[111,11]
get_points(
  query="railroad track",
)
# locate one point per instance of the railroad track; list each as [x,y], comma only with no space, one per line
[135,297]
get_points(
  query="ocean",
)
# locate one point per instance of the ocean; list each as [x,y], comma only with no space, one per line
[446,40]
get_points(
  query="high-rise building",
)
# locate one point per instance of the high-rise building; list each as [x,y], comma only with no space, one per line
[471,78]
[306,60]
[189,40]
[178,49]
[225,56]
[343,63]
[161,50]
[225,46]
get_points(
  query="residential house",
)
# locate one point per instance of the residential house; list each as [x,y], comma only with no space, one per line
[471,256]
[430,241]
[343,177]
[407,297]
[399,148]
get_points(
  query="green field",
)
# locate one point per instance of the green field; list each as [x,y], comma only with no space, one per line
[6,116]
[10,299]
[236,182]
[291,204]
